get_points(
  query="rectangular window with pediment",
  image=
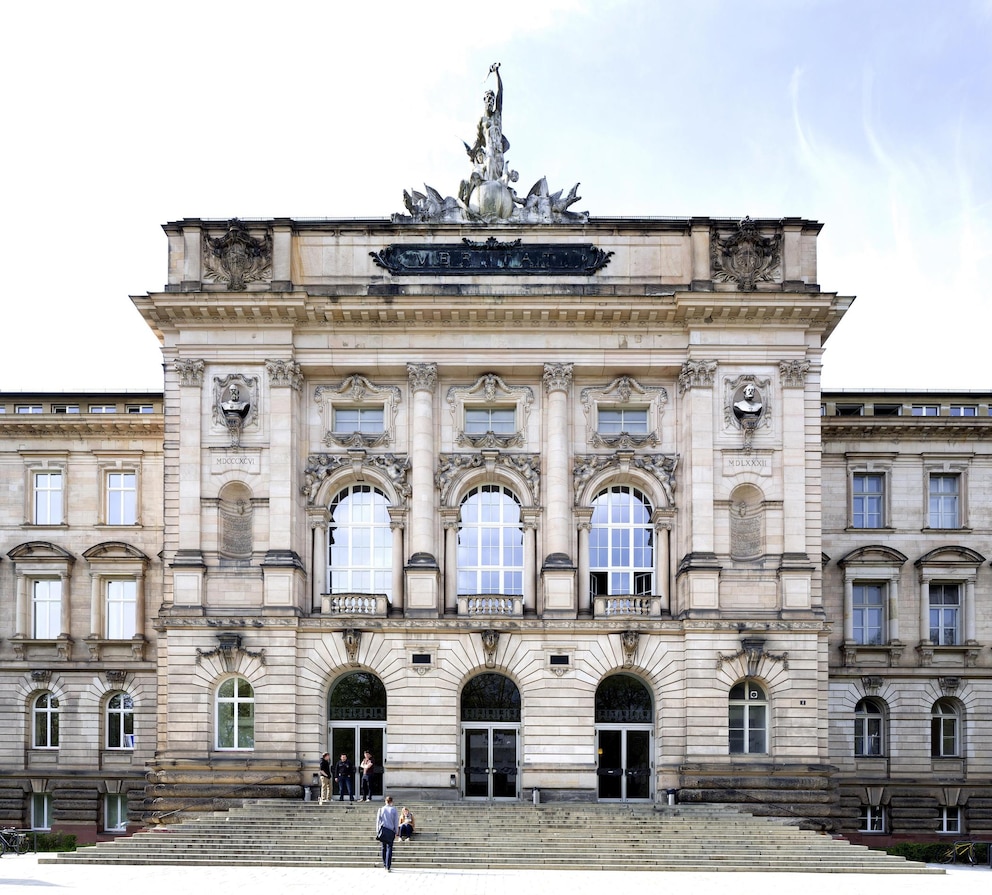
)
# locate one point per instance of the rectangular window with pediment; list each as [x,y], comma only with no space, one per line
[122,604]
[868,608]
[364,420]
[46,608]
[617,420]
[498,420]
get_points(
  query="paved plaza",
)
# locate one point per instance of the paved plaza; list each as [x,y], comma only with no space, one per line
[23,874]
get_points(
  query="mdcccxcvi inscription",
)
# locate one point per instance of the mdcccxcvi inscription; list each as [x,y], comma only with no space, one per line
[247,462]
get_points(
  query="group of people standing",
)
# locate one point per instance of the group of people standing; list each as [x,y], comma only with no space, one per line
[390,824]
[343,772]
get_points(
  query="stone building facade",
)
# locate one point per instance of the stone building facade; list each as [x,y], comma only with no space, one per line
[523,502]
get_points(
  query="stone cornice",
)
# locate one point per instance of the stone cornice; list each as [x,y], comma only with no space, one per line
[78,425]
[904,428]
[472,306]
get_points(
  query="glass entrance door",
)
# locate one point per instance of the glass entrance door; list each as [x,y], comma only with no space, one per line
[624,764]
[489,761]
[352,740]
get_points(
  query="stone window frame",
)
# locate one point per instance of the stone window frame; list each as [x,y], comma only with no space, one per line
[954,713]
[860,464]
[121,810]
[118,463]
[106,713]
[873,819]
[624,392]
[358,392]
[946,466]
[860,721]
[490,391]
[33,711]
[234,701]
[41,464]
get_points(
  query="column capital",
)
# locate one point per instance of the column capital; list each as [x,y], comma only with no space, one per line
[696,374]
[190,370]
[423,377]
[557,377]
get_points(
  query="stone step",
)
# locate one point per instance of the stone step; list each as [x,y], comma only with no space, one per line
[510,836]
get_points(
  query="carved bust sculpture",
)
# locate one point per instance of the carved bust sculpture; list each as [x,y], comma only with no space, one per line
[749,405]
[234,404]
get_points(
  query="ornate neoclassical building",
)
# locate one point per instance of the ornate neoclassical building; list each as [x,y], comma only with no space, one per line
[513,497]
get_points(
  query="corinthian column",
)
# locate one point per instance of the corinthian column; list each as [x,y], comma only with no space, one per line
[557,379]
[423,382]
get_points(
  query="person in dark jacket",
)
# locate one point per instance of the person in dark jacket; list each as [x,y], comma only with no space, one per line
[343,772]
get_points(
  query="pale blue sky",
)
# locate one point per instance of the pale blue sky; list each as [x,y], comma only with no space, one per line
[871,117]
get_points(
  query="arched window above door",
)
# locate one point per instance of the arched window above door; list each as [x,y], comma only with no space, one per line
[623,699]
[621,544]
[359,696]
[490,697]
[490,542]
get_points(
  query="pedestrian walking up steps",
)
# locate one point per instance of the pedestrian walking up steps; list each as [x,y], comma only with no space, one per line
[495,836]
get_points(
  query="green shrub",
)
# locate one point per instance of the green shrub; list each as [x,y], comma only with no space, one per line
[934,852]
[52,841]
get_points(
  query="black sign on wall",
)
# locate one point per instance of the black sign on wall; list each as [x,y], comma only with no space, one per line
[491,257]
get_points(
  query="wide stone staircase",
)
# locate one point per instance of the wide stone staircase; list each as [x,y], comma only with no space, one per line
[496,836]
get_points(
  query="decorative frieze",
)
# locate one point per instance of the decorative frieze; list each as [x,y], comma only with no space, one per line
[452,466]
[393,467]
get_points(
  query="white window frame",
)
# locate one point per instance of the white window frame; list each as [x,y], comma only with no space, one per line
[944,507]
[102,408]
[124,714]
[944,610]
[864,494]
[41,810]
[869,728]
[498,419]
[51,714]
[476,576]
[114,812]
[873,819]
[862,607]
[622,578]
[29,408]
[222,704]
[50,510]
[119,484]
[52,615]
[139,408]
[369,420]
[365,532]
[925,410]
[120,608]
[950,820]
[945,714]
[964,410]
[755,699]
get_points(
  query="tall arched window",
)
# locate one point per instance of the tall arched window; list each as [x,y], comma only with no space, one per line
[748,717]
[360,543]
[945,730]
[621,544]
[490,543]
[120,722]
[869,728]
[235,714]
[45,722]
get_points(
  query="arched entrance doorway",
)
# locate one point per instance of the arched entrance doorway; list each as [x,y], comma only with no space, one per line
[356,721]
[490,713]
[624,726]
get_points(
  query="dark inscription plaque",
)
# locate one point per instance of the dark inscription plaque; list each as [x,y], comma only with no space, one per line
[491,257]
